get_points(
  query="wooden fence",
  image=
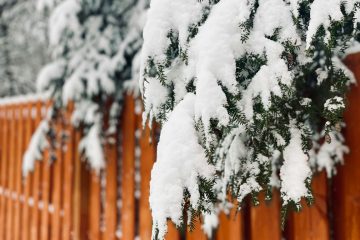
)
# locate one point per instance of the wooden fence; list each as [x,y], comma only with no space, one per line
[64,199]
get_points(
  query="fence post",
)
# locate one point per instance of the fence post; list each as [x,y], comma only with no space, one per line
[2,143]
[18,176]
[4,169]
[95,206]
[128,169]
[197,233]
[12,171]
[231,226]
[29,178]
[346,190]
[45,189]
[69,161]
[111,189]
[35,218]
[265,218]
[111,192]
[147,159]
[58,170]
[81,194]
[312,221]
[173,233]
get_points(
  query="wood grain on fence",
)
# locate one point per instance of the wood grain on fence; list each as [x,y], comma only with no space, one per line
[46,191]
[81,194]
[346,189]
[231,226]
[18,172]
[69,156]
[265,216]
[29,178]
[128,169]
[147,159]
[313,219]
[35,223]
[111,188]
[111,181]
[11,190]
[4,168]
[197,233]
[95,206]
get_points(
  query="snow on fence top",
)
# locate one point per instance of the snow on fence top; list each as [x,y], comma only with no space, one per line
[23,99]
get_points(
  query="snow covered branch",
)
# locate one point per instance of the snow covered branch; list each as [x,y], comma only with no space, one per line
[254,83]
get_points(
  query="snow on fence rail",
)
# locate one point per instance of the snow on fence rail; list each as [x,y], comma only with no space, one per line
[64,199]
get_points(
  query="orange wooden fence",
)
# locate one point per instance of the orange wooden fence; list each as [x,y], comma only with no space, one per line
[64,199]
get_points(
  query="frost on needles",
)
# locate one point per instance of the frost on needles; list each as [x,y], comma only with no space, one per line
[246,91]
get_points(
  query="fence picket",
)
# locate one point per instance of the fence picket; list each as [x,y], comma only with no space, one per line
[4,149]
[18,176]
[95,206]
[46,190]
[231,226]
[58,184]
[346,190]
[197,233]
[12,170]
[265,218]
[68,173]
[173,233]
[35,218]
[311,222]
[4,170]
[128,169]
[29,178]
[81,194]
[2,143]
[147,159]
[111,191]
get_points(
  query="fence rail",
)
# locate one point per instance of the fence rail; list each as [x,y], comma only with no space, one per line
[64,199]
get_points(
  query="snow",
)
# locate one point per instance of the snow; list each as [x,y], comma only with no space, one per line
[201,42]
[210,222]
[341,66]
[222,28]
[95,52]
[264,84]
[36,147]
[326,155]
[91,62]
[322,75]
[334,104]
[50,72]
[295,171]
[354,48]
[43,5]
[23,99]
[322,13]
[330,154]
[166,15]
[181,160]
[92,147]
[64,21]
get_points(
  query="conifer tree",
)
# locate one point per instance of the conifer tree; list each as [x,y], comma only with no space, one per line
[245,92]
[94,46]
